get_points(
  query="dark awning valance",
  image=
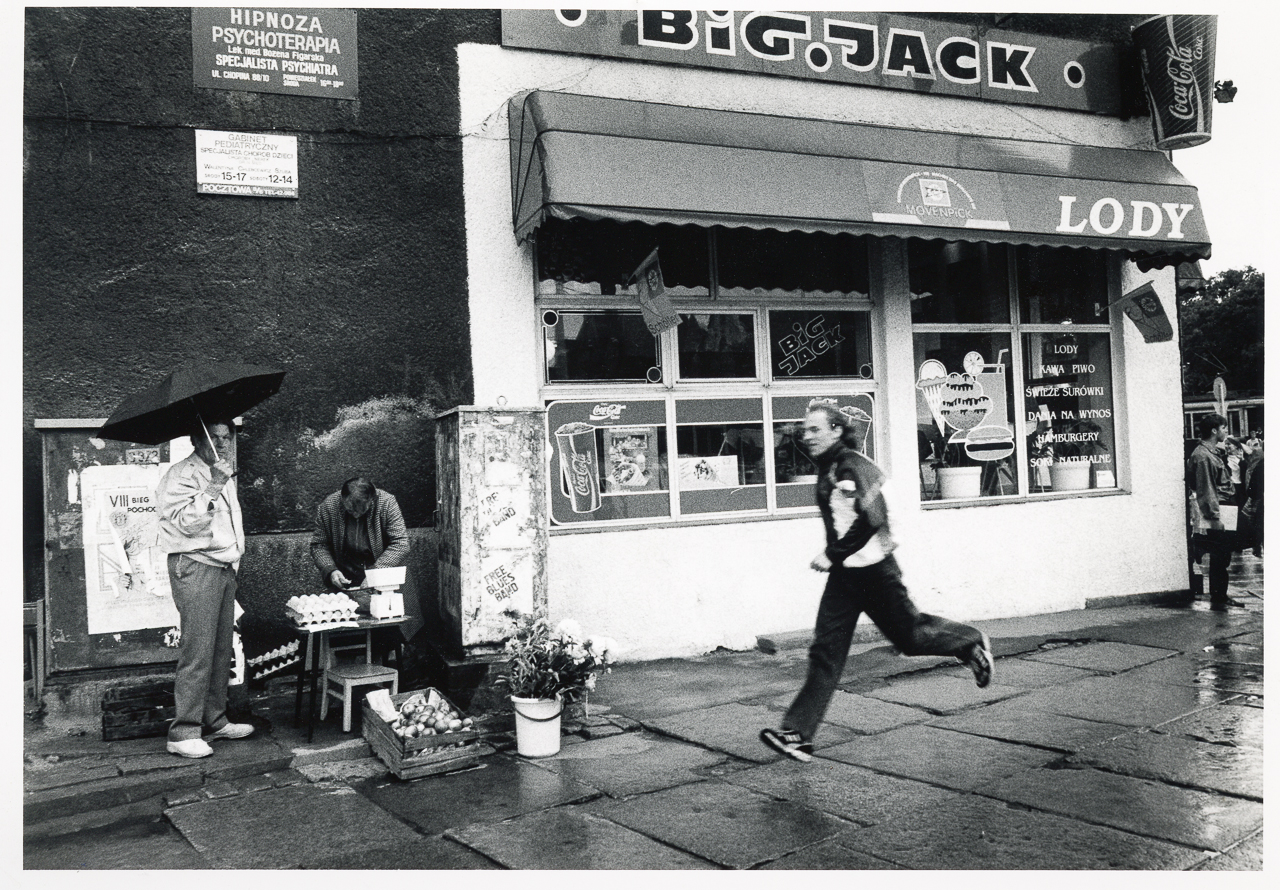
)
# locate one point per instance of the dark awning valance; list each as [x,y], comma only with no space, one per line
[597,158]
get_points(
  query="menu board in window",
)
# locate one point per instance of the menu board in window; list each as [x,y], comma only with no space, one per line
[608,460]
[1069,411]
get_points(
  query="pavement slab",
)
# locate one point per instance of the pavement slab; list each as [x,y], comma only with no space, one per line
[304,822]
[942,694]
[725,824]
[1024,674]
[850,792]
[1203,673]
[830,855]
[735,729]
[1226,724]
[631,763]
[861,713]
[1115,700]
[939,756]
[1103,657]
[1150,755]
[429,853]
[1182,629]
[1010,722]
[653,689]
[972,832]
[151,844]
[1235,651]
[504,786]
[1244,856]
[1152,809]
[567,838]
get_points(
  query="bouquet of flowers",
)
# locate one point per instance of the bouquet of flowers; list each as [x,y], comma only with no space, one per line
[546,663]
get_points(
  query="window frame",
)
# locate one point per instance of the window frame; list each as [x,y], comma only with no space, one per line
[1016,329]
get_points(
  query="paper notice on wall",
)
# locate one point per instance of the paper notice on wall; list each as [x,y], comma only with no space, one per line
[126,574]
[720,471]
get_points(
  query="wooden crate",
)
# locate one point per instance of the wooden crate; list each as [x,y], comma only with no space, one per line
[425,755]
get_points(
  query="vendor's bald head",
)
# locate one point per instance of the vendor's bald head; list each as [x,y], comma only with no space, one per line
[357,496]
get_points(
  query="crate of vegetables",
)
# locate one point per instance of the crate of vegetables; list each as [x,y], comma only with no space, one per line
[419,733]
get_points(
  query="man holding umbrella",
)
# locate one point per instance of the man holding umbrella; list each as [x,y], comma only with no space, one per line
[201,530]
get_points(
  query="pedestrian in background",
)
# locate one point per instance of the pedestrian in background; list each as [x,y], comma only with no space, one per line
[202,532]
[862,576]
[1212,513]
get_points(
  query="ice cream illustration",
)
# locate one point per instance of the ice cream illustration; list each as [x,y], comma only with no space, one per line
[932,383]
[964,406]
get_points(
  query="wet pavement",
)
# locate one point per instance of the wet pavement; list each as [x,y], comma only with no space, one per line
[1124,738]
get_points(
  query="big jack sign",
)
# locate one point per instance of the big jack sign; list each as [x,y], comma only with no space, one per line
[868,49]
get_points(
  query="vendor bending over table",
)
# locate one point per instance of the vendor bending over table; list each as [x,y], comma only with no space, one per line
[361,527]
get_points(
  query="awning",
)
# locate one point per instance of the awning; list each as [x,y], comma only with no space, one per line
[598,158]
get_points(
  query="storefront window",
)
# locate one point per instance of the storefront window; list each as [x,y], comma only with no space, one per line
[1069,411]
[719,344]
[768,263]
[972,389]
[580,257]
[608,344]
[702,420]
[820,343]
[958,283]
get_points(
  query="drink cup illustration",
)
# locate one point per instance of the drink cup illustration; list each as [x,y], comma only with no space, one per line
[579,466]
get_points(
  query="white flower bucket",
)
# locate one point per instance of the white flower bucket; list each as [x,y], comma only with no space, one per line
[537,726]
[1071,475]
[959,482]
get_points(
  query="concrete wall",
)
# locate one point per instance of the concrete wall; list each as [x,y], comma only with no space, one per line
[357,288]
[683,590]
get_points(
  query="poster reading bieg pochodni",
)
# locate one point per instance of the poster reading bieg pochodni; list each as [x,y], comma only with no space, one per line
[294,51]
[126,574]
[255,165]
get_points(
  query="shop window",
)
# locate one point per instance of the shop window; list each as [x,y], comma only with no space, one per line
[702,420]
[820,343]
[719,344]
[1011,408]
[608,344]
[580,257]
[958,283]
[769,263]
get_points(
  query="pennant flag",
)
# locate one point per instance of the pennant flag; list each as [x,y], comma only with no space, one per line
[659,314]
[1144,309]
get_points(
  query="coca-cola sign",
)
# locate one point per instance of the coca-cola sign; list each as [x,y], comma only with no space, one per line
[1177,54]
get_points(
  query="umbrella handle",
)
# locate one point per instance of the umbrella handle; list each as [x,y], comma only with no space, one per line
[208,438]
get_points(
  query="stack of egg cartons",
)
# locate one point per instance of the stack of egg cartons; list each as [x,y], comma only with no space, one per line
[321,608]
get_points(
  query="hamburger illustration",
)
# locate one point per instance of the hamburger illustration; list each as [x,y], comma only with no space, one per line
[988,443]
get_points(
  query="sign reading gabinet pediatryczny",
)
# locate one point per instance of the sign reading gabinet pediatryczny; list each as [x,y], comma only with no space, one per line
[255,165]
[295,51]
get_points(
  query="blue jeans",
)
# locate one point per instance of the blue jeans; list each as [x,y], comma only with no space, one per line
[878,591]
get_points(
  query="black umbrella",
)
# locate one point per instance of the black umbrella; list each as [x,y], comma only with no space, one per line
[188,398]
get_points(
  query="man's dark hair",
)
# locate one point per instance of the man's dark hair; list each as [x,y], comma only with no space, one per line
[1206,425]
[360,487]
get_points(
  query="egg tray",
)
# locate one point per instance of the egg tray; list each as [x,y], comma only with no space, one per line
[331,618]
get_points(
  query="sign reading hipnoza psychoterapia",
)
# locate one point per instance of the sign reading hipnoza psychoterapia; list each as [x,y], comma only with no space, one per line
[295,51]
[253,165]
[864,48]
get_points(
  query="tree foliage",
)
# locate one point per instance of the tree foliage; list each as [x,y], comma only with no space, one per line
[1222,327]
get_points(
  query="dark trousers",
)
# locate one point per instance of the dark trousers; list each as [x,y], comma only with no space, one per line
[205,596]
[1219,544]
[878,591]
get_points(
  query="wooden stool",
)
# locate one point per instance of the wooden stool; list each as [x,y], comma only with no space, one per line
[348,677]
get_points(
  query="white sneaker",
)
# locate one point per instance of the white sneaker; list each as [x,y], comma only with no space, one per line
[189,748]
[232,731]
